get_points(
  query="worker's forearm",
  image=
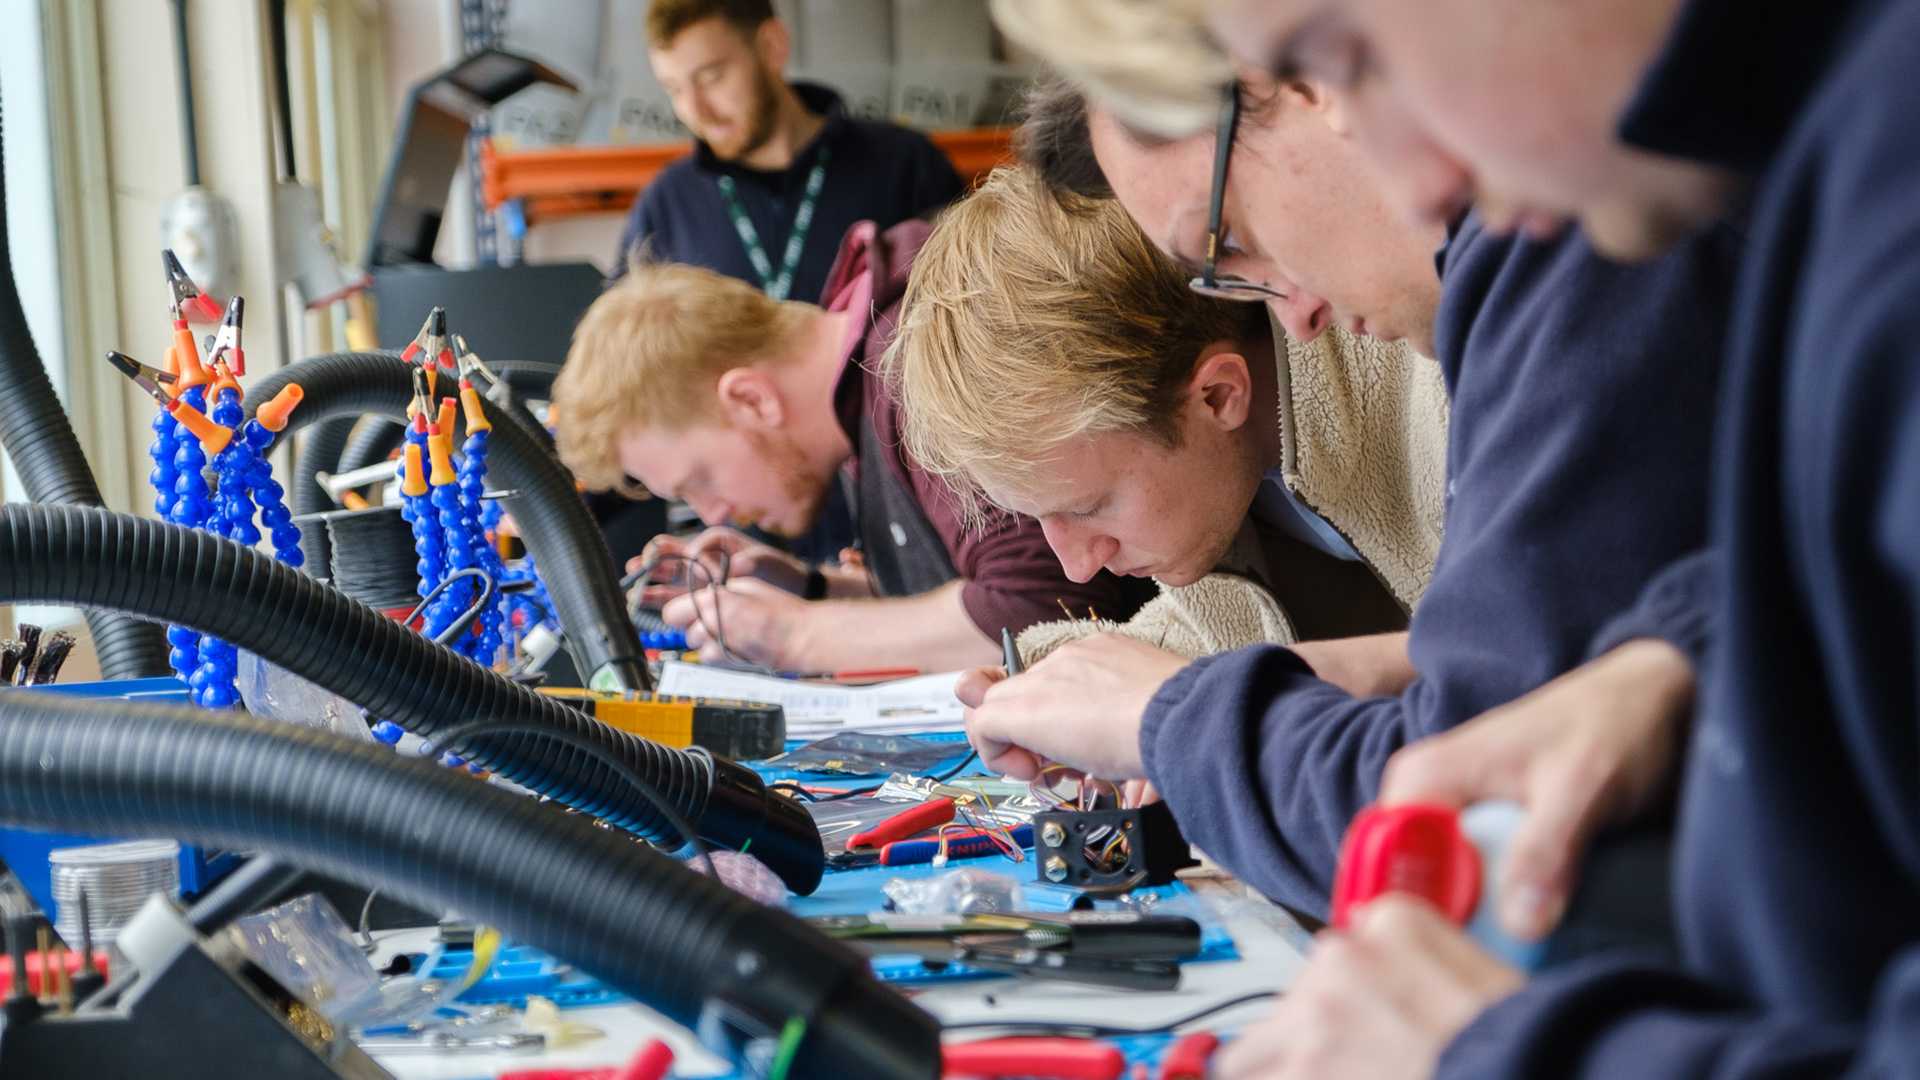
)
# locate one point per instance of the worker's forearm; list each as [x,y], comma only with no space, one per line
[1368,666]
[931,632]
[846,583]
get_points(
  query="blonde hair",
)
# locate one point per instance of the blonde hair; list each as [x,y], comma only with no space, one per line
[1152,62]
[648,353]
[1032,318]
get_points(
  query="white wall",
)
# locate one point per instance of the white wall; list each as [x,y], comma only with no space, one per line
[30,226]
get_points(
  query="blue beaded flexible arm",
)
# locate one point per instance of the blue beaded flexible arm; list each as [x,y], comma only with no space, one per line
[473,484]
[271,498]
[417,509]
[459,595]
[191,506]
[212,684]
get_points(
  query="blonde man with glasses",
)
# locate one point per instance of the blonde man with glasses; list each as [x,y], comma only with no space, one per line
[1166,434]
[1576,471]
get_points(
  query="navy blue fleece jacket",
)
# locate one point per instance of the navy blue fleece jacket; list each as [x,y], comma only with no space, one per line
[1577,468]
[877,172]
[1798,861]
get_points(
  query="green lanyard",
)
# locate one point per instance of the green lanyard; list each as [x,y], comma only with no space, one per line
[777,287]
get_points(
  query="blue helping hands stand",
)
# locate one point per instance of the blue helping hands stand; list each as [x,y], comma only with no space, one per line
[458,596]
[473,483]
[417,510]
[212,683]
[166,431]
[190,508]
[267,493]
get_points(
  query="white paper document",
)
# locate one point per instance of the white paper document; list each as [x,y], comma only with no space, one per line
[814,710]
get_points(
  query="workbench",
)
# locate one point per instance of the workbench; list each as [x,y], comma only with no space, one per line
[1270,943]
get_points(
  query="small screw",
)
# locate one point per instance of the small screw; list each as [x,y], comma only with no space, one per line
[1056,869]
[1052,835]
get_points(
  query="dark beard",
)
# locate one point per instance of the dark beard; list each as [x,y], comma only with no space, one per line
[766,109]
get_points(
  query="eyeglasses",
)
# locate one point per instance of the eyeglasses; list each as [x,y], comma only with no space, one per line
[1211,282]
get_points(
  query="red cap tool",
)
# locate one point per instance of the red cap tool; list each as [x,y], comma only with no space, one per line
[650,1062]
[1415,848]
[1188,1058]
[1047,1058]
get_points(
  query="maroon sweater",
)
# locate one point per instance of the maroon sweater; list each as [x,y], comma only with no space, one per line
[1012,578]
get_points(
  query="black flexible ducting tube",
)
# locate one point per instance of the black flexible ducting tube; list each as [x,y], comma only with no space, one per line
[38,437]
[673,939]
[373,440]
[98,558]
[319,451]
[524,382]
[554,521]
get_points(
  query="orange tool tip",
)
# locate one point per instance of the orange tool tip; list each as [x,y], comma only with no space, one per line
[440,452]
[1066,1059]
[211,435]
[419,423]
[448,410]
[414,482]
[476,413]
[186,355]
[273,415]
[353,500]
[223,380]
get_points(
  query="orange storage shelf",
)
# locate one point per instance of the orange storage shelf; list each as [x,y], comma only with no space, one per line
[567,180]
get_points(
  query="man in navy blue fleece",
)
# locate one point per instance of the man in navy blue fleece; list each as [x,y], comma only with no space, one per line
[779,171]
[1798,863]
[1576,469]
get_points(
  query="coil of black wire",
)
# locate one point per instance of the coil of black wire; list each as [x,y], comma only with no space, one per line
[373,559]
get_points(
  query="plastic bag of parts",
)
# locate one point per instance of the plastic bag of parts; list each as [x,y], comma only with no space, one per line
[309,949]
[956,892]
[855,753]
[278,694]
[745,875]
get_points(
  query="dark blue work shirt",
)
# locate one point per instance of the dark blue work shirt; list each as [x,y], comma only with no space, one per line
[1576,469]
[876,172]
[1798,863]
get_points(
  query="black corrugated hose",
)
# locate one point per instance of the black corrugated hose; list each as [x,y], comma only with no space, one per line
[679,942]
[37,436]
[373,440]
[319,451]
[553,520]
[97,558]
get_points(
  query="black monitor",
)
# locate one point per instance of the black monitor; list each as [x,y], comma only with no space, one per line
[431,144]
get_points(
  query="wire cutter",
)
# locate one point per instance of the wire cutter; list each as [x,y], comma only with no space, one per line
[865,848]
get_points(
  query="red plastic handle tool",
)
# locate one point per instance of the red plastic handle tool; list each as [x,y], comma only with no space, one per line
[1417,849]
[910,822]
[650,1062]
[1188,1058]
[1048,1058]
